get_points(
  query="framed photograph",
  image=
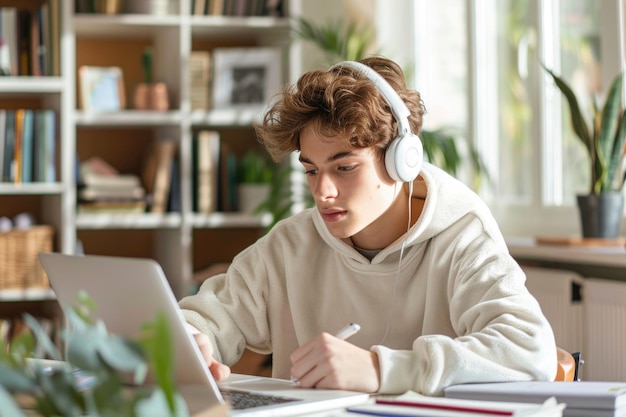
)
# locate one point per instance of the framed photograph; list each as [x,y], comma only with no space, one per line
[101,88]
[245,77]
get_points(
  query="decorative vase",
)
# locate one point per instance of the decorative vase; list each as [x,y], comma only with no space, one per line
[601,214]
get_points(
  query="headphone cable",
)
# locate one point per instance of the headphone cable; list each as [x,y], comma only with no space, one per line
[397,278]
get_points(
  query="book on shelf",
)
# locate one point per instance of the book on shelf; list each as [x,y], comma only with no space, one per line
[174,200]
[27,145]
[413,404]
[96,166]
[199,79]
[44,147]
[216,8]
[208,155]
[199,7]
[583,398]
[3,121]
[157,174]
[96,172]
[8,42]
[112,207]
[16,169]
[92,179]
[23,42]
[53,49]
[9,146]
[227,186]
[108,193]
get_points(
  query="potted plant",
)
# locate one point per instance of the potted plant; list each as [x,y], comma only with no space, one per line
[601,208]
[254,179]
[87,380]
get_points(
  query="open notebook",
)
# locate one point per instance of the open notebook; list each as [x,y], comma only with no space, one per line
[130,292]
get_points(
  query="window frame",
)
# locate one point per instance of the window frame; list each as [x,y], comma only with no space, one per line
[546,213]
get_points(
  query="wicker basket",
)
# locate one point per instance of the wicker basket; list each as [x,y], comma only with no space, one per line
[19,264]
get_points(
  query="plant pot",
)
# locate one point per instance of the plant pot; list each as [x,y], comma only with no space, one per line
[250,196]
[601,214]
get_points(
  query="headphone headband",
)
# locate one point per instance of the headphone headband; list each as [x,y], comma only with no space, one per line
[404,154]
[399,109]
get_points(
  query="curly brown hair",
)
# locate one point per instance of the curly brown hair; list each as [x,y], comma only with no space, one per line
[338,101]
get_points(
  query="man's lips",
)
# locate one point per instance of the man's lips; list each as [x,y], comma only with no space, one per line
[333,215]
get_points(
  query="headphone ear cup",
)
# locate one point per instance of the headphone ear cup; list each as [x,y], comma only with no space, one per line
[403,158]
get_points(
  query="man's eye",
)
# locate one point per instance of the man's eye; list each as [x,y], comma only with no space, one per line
[310,172]
[347,168]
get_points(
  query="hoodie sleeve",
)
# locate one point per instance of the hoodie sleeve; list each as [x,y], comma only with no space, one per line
[500,332]
[231,308]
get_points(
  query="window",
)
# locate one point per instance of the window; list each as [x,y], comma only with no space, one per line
[477,65]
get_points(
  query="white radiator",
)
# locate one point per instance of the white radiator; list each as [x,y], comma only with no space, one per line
[605,327]
[559,297]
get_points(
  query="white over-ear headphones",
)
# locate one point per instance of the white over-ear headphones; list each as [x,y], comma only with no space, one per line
[404,155]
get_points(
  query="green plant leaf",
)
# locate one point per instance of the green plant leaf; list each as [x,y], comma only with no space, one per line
[123,355]
[21,347]
[82,347]
[609,128]
[578,122]
[15,380]
[336,39]
[157,406]
[618,152]
[59,388]
[156,340]
[254,168]
[42,338]
[8,406]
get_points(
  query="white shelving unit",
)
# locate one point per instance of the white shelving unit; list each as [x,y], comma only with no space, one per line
[104,40]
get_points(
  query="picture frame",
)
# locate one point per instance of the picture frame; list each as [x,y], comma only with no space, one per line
[102,88]
[245,78]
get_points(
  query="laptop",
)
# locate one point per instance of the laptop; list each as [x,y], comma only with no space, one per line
[129,292]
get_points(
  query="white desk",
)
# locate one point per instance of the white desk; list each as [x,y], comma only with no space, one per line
[597,262]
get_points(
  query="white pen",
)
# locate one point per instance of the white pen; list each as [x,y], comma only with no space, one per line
[348,331]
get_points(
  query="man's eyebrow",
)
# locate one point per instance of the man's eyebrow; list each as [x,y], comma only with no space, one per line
[332,158]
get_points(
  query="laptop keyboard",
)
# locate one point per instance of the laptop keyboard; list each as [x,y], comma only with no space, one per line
[240,400]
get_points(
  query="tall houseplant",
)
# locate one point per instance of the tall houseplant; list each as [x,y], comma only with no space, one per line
[601,208]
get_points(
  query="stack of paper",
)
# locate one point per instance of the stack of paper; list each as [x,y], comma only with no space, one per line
[582,399]
[412,404]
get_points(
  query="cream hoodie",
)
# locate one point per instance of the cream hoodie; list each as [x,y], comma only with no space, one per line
[455,311]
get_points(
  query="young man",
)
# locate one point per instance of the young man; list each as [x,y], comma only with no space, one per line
[419,263]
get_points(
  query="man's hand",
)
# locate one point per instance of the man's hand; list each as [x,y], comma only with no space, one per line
[218,370]
[328,362]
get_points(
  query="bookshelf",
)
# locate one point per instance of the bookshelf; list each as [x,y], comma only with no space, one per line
[182,241]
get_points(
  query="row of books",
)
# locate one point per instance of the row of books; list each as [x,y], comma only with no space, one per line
[214,174]
[29,39]
[28,145]
[273,8]
[214,180]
